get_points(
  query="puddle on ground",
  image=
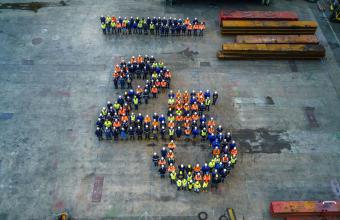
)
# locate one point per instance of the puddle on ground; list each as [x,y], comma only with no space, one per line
[32,6]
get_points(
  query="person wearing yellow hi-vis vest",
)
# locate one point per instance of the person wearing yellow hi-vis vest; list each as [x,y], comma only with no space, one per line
[212,164]
[179,184]
[190,185]
[103,26]
[184,184]
[233,160]
[113,27]
[207,103]
[205,186]
[197,186]
[139,27]
[152,28]
[189,176]
[173,177]
[135,102]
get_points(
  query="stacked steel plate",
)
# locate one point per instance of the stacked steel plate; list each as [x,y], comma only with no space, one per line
[268,27]
[305,210]
[271,51]
[269,35]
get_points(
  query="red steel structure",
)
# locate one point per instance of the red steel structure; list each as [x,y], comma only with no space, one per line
[258,15]
[290,209]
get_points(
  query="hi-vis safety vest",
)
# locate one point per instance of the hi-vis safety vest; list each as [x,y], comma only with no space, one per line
[179,183]
[103,26]
[205,184]
[173,175]
[190,185]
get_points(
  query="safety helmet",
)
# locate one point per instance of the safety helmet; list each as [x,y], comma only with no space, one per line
[233,142]
[98,128]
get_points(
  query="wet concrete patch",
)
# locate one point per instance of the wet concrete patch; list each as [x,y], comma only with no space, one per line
[292,65]
[97,189]
[3,216]
[204,64]
[6,115]
[27,62]
[37,40]
[32,6]
[261,141]
[188,53]
[309,111]
[63,93]
[269,100]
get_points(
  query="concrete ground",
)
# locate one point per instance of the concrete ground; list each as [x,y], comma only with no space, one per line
[55,74]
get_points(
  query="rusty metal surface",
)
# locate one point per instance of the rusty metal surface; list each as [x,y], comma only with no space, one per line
[273,48]
[258,15]
[268,27]
[304,208]
[277,39]
[313,218]
[269,24]
[97,189]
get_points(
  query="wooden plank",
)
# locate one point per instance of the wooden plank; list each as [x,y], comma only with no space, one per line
[269,24]
[258,15]
[304,208]
[97,189]
[277,39]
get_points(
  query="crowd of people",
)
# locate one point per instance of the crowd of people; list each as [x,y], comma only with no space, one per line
[117,119]
[154,26]
[185,119]
[197,178]
[145,68]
